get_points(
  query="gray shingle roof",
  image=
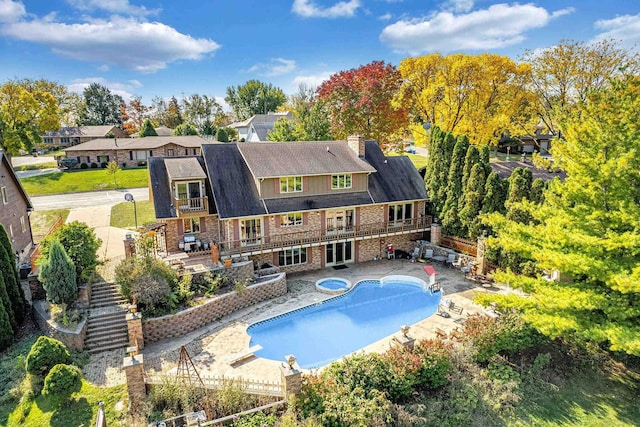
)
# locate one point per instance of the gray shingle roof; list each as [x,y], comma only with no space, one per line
[96,131]
[146,143]
[396,178]
[262,118]
[297,204]
[262,130]
[184,168]
[505,169]
[276,159]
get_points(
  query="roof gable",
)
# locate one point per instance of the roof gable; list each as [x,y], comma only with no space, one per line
[146,143]
[184,168]
[7,165]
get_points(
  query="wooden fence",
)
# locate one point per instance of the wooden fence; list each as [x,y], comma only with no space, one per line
[459,244]
[258,387]
[35,254]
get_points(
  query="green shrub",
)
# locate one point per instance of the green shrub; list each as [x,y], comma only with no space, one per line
[62,380]
[84,166]
[257,419]
[44,354]
[58,275]
[94,165]
[436,363]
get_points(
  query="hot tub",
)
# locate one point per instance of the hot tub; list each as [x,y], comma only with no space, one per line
[333,285]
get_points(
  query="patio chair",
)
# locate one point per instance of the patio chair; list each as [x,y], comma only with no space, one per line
[428,254]
[466,270]
[451,258]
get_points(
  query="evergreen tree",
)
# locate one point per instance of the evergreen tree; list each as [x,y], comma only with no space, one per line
[442,171]
[185,129]
[454,187]
[472,157]
[9,271]
[58,275]
[431,167]
[474,195]
[6,331]
[147,129]
[6,304]
[588,228]
[494,194]
[222,136]
[536,194]
[485,159]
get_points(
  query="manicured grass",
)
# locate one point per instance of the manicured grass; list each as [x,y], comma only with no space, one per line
[37,166]
[79,410]
[418,160]
[42,221]
[122,214]
[83,180]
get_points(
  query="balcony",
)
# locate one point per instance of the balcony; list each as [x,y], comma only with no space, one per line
[193,206]
[319,237]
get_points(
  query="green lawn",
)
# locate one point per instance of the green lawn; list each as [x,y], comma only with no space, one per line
[122,214]
[80,410]
[83,180]
[42,221]
[418,160]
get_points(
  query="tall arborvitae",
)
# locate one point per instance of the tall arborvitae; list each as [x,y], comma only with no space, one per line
[473,198]
[446,153]
[485,159]
[5,302]
[58,275]
[454,187]
[537,191]
[494,194]
[9,271]
[472,157]
[433,163]
[6,332]
[519,190]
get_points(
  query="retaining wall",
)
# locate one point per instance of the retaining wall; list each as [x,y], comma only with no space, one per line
[71,338]
[188,320]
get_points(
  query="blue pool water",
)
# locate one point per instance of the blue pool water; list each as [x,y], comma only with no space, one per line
[334,284]
[319,334]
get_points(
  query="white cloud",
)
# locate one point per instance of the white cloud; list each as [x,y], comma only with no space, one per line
[125,90]
[308,9]
[311,80]
[113,6]
[123,42]
[11,11]
[458,5]
[387,16]
[276,67]
[623,29]
[498,26]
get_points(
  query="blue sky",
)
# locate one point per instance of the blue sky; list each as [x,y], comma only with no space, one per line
[152,48]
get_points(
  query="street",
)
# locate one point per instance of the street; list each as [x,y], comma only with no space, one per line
[81,200]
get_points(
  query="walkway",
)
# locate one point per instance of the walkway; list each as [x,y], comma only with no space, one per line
[215,345]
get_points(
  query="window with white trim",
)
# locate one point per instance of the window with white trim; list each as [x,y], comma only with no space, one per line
[339,182]
[291,184]
[140,155]
[191,225]
[291,219]
[292,256]
[5,199]
[65,140]
[103,159]
[400,212]
[23,224]
[47,140]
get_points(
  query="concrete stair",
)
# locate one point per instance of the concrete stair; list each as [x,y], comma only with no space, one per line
[107,326]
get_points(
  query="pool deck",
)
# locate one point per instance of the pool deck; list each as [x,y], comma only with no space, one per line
[214,347]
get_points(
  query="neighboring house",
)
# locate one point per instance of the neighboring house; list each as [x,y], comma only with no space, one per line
[504,170]
[15,208]
[256,128]
[68,136]
[160,130]
[298,205]
[538,142]
[130,152]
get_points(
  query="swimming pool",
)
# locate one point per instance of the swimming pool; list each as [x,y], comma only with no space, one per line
[321,333]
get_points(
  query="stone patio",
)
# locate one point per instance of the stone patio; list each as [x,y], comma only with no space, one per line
[214,346]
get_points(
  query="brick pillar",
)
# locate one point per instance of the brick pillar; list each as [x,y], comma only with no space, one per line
[129,246]
[481,260]
[134,370]
[436,232]
[291,378]
[357,144]
[134,326]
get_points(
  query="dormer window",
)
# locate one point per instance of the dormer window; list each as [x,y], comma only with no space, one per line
[291,184]
[339,182]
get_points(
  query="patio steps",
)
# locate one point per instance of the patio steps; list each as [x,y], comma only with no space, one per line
[107,325]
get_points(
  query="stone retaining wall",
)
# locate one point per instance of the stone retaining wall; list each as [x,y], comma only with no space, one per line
[71,338]
[175,325]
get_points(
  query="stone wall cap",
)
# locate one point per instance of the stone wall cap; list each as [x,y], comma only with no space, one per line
[130,361]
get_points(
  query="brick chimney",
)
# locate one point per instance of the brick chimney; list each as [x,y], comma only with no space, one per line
[356,143]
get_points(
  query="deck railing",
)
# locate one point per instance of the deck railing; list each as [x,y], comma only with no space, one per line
[191,205]
[313,237]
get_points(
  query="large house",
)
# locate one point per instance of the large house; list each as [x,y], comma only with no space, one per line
[15,207]
[74,135]
[128,152]
[297,205]
[257,127]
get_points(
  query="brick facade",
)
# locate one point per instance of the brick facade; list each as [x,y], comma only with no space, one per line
[195,317]
[209,233]
[126,156]
[14,212]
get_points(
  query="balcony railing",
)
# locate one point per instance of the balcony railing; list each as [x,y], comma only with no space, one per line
[316,237]
[191,205]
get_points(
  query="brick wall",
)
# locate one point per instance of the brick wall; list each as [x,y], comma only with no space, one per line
[195,317]
[13,211]
[72,339]
[210,233]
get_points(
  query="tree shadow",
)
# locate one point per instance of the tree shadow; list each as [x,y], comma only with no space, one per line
[75,412]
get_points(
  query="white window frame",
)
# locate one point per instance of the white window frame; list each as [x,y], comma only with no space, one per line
[5,199]
[191,225]
[255,236]
[140,155]
[23,224]
[291,184]
[291,219]
[341,181]
[293,256]
[400,213]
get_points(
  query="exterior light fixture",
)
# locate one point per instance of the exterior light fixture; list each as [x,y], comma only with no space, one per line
[404,329]
[291,360]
